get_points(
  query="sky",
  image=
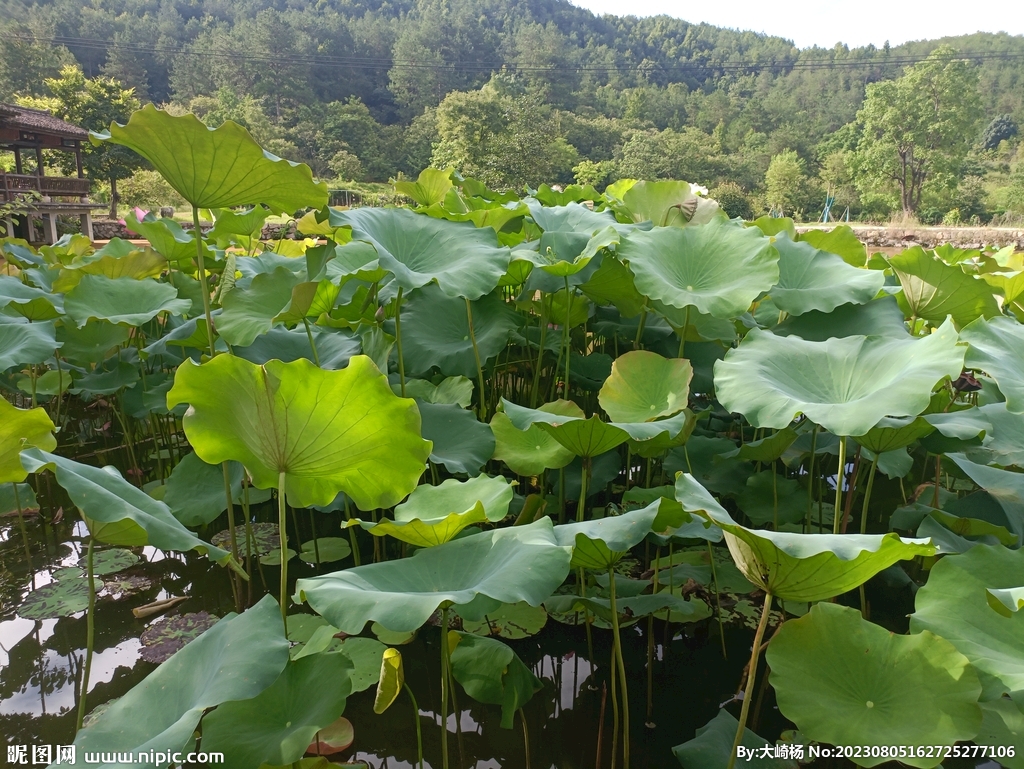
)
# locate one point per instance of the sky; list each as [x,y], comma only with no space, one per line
[812,22]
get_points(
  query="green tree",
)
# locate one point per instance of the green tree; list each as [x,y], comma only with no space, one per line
[918,129]
[786,183]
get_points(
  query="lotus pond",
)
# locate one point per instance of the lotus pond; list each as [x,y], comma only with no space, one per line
[591,479]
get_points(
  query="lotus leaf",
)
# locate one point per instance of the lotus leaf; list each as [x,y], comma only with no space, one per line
[430,186]
[892,434]
[512,621]
[325,550]
[21,429]
[1003,724]
[1005,486]
[1006,601]
[630,608]
[572,217]
[333,738]
[163,639]
[997,347]
[845,681]
[879,317]
[25,501]
[712,747]
[644,386]
[195,490]
[600,543]
[28,301]
[61,598]
[613,284]
[811,279]
[665,203]
[222,167]
[24,343]
[767,498]
[451,391]
[522,563]
[460,442]
[1004,440]
[767,449]
[122,300]
[249,313]
[718,268]
[255,414]
[933,290]
[845,385]
[954,604]
[531,451]
[265,537]
[110,561]
[705,458]
[841,240]
[333,348]
[167,237]
[800,567]
[492,673]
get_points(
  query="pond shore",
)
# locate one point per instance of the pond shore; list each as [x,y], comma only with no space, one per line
[890,237]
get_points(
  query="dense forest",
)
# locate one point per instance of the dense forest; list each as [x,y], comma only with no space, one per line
[521,92]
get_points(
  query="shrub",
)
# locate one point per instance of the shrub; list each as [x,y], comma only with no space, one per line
[734,200]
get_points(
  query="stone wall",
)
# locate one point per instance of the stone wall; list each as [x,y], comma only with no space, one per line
[931,237]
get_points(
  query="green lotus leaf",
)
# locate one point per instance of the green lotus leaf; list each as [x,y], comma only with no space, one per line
[892,434]
[112,505]
[712,747]
[167,237]
[367,442]
[531,451]
[89,344]
[997,348]
[845,681]
[521,563]
[933,290]
[110,561]
[435,332]
[310,299]
[800,567]
[773,225]
[62,598]
[137,264]
[613,284]
[767,449]
[644,386]
[325,550]
[165,638]
[25,501]
[248,223]
[23,343]
[1006,601]
[879,317]
[718,268]
[22,429]
[664,203]
[1005,486]
[250,312]
[492,673]
[452,391]
[430,186]
[464,260]
[513,621]
[811,279]
[1004,440]
[427,533]
[277,725]
[572,217]
[841,240]
[599,544]
[460,442]
[954,604]
[955,430]
[27,301]
[774,500]
[102,381]
[236,659]
[705,459]
[334,348]
[353,260]
[630,608]
[845,385]
[1003,724]
[122,300]
[216,168]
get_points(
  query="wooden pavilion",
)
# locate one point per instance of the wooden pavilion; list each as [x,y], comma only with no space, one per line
[30,130]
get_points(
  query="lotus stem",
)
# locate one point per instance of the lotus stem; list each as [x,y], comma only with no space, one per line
[810,476]
[250,540]
[419,730]
[748,692]
[352,533]
[445,685]
[236,589]
[840,477]
[851,492]
[540,357]
[581,575]
[398,339]
[316,545]
[600,725]
[526,736]
[282,526]
[581,511]
[682,335]
[938,479]
[479,365]
[775,498]
[617,647]
[90,637]
[867,495]
[312,344]
[718,603]
[566,338]
[615,712]
[640,326]
[201,263]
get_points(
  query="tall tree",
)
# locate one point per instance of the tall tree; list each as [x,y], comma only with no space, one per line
[918,129]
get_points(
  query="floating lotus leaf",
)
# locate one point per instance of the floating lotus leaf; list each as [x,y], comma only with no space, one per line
[21,429]
[630,608]
[954,604]
[464,260]
[274,558]
[61,598]
[122,300]
[800,567]
[460,442]
[250,312]
[512,621]
[23,343]
[117,512]
[811,279]
[521,563]
[325,550]
[531,451]
[600,543]
[435,332]
[644,386]
[367,443]
[266,539]
[719,268]
[997,347]
[845,681]
[333,738]
[845,385]
[277,725]
[492,673]
[712,747]
[161,640]
[110,561]
[879,317]
[933,290]
[1006,601]
[216,168]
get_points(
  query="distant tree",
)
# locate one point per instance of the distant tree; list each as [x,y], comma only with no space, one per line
[733,199]
[1002,128]
[786,183]
[917,128]
[93,104]
[25,63]
[1015,194]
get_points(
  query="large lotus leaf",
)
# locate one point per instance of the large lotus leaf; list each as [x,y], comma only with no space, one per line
[1005,486]
[236,659]
[310,299]
[250,312]
[665,203]
[194,491]
[630,608]
[712,747]
[846,681]
[28,301]
[122,300]
[613,284]
[460,442]
[1004,440]
[997,348]
[532,451]
[644,386]
[366,441]
[137,264]
[879,317]
[933,290]
[841,240]
[572,217]
[810,279]
[800,567]
[719,268]
[216,168]
[845,385]
[104,381]
[492,673]
[431,532]
[600,543]
[1003,724]
[22,429]
[23,343]
[464,260]
[117,512]
[954,604]
[334,348]
[277,725]
[892,434]
[521,563]
[767,498]
[167,237]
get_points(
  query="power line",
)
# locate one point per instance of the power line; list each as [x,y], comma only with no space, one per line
[383,64]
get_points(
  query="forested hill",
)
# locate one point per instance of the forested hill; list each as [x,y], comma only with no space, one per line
[352,86]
